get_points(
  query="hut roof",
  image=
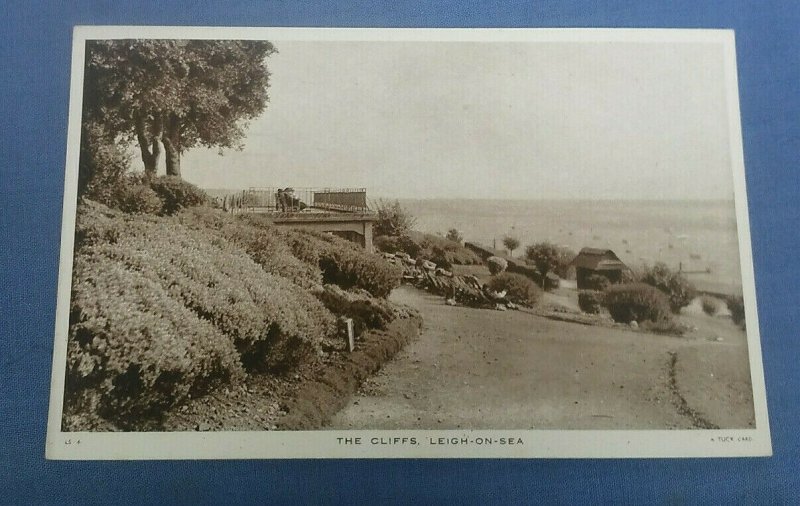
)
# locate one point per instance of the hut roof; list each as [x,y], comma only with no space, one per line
[598,260]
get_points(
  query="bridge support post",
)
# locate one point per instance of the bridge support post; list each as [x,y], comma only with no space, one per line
[368,237]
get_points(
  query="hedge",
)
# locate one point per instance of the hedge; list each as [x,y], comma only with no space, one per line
[439,250]
[137,198]
[396,244]
[164,308]
[519,289]
[307,258]
[133,349]
[222,284]
[444,252]
[151,282]
[343,263]
[177,194]
[590,301]
[138,194]
[680,290]
[528,271]
[496,265]
[260,239]
[167,307]
[709,304]
[636,302]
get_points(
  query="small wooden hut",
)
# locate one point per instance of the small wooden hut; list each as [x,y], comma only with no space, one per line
[595,261]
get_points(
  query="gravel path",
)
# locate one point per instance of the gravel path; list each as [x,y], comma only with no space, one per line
[477,368]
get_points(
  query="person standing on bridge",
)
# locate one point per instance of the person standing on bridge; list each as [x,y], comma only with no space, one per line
[289,200]
[279,204]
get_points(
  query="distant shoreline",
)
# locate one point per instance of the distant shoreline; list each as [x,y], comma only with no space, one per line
[215,191]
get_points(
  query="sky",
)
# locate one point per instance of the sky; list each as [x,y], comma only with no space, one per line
[488,120]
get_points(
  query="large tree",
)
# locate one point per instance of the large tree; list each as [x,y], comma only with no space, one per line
[175,93]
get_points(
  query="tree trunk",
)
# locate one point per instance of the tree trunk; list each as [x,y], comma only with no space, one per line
[156,154]
[172,146]
[151,150]
[173,161]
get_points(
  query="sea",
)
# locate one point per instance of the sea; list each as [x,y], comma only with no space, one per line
[697,237]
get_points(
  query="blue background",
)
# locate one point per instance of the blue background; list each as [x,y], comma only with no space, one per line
[35,49]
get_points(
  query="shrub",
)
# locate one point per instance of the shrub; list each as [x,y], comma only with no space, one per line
[629,276]
[103,164]
[454,235]
[528,271]
[590,301]
[136,198]
[128,193]
[386,243]
[133,349]
[393,219]
[344,264]
[395,244]
[679,290]
[496,265]
[449,252]
[104,178]
[176,194]
[597,282]
[408,245]
[272,322]
[709,304]
[441,258]
[439,250]
[519,289]
[366,312]
[551,281]
[260,240]
[735,305]
[96,223]
[275,257]
[636,302]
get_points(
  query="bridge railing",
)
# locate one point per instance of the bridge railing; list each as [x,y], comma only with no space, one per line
[265,200]
[350,199]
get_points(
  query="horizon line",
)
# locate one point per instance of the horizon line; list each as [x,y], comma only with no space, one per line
[560,198]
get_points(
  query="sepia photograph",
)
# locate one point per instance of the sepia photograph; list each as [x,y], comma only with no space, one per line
[371,243]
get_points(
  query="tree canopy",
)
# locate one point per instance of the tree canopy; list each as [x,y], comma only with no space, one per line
[511,243]
[544,256]
[175,93]
[548,257]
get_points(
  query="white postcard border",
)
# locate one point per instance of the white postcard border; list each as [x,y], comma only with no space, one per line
[398,443]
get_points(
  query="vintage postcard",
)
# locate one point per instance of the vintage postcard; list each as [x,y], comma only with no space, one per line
[405,243]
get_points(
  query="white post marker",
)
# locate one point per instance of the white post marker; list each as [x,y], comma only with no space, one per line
[351,343]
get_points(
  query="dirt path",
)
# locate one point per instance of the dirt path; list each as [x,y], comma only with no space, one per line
[474,368]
